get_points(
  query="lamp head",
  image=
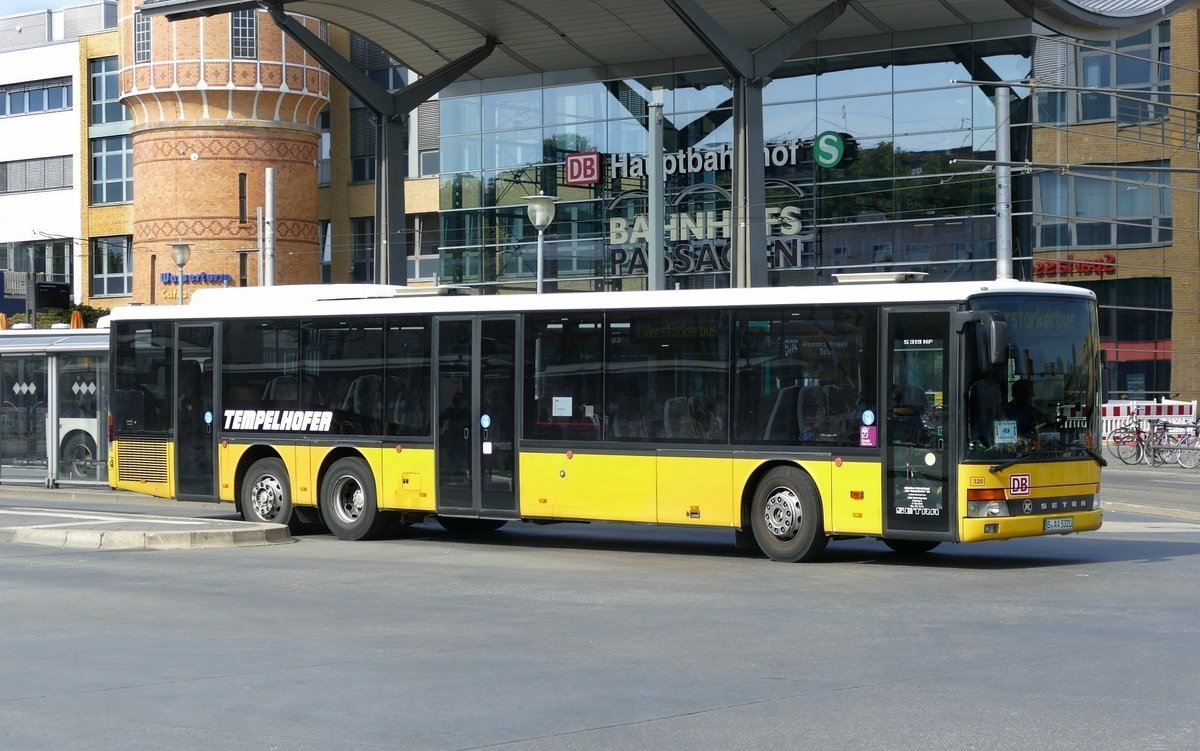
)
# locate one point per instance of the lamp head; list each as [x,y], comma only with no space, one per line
[541,210]
[181,252]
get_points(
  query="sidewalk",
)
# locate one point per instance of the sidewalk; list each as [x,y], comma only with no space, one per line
[38,516]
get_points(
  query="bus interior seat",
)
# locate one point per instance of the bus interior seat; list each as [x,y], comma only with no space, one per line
[678,419]
[285,390]
[626,419]
[365,397]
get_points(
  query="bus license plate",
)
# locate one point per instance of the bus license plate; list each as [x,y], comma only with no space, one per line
[1059,525]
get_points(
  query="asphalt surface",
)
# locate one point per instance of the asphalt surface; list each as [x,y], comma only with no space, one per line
[105,519]
[70,518]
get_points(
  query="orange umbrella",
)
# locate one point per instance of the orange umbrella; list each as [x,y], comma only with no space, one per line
[76,319]
[3,320]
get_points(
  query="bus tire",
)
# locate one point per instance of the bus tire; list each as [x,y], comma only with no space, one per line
[266,494]
[348,503]
[79,453]
[786,517]
[911,548]
[460,525]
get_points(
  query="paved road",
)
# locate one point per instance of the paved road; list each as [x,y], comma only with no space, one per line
[104,519]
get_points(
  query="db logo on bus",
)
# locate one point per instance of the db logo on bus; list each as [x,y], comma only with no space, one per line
[1018,485]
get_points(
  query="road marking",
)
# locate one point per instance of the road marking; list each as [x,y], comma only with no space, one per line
[107,518]
[1132,527]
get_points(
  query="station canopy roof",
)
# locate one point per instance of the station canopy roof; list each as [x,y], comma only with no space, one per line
[610,36]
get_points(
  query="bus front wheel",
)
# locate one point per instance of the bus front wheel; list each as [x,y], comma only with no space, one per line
[786,516]
[267,493]
[348,503]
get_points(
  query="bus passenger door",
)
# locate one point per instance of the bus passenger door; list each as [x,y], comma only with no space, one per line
[195,476]
[917,473]
[477,409]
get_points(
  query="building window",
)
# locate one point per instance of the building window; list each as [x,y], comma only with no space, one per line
[1098,207]
[27,175]
[112,169]
[105,95]
[379,66]
[1138,66]
[112,265]
[324,146]
[141,38]
[49,95]
[325,238]
[243,34]
[363,135]
[50,258]
[362,249]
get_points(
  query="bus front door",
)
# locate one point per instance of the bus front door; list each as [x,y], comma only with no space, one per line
[477,408]
[195,477]
[917,472]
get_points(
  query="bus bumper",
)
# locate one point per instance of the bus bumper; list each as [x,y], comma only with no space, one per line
[1008,527]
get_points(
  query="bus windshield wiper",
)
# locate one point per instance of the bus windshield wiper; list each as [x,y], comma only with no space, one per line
[1045,453]
[1020,458]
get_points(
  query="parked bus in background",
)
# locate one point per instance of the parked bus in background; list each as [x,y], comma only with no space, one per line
[792,415]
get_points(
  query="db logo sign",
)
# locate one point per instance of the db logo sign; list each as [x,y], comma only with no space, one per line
[1018,485]
[583,168]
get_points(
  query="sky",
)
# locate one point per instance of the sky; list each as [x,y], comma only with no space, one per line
[13,7]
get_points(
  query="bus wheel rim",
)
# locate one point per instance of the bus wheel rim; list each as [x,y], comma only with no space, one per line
[781,513]
[267,497]
[348,499]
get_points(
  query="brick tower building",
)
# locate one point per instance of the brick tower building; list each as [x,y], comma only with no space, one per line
[215,102]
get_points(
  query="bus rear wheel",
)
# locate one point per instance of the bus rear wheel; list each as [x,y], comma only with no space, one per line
[266,494]
[348,503]
[79,454]
[786,516]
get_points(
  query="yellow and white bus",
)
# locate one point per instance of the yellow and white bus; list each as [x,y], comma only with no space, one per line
[792,415]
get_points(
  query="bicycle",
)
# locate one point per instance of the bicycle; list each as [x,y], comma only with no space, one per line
[1188,447]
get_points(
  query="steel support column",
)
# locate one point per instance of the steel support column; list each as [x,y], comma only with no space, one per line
[749,71]
[392,108]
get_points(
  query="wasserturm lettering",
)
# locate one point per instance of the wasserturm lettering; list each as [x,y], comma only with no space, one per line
[203,277]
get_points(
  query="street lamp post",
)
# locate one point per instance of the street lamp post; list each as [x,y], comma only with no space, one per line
[181,252]
[541,213]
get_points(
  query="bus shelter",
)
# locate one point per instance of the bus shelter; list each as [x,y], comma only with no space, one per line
[53,399]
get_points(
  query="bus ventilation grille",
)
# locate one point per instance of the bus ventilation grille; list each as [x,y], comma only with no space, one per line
[142,461]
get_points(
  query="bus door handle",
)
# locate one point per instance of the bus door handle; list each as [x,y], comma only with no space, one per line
[466,434]
[941,444]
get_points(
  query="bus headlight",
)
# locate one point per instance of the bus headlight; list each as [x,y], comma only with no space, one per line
[985,503]
[984,509]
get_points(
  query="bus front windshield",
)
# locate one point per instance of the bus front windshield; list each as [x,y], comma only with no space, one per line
[1042,403]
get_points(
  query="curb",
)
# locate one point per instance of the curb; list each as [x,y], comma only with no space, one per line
[87,539]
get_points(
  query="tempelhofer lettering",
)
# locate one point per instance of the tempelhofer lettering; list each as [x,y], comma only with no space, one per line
[278,420]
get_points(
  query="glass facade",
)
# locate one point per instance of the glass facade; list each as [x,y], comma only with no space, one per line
[914,190]
[895,199]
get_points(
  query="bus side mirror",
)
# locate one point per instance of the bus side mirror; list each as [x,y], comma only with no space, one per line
[995,333]
[996,330]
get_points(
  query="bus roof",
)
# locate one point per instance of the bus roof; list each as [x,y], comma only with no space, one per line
[312,300]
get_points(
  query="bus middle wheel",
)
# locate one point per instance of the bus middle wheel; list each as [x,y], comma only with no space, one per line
[348,503]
